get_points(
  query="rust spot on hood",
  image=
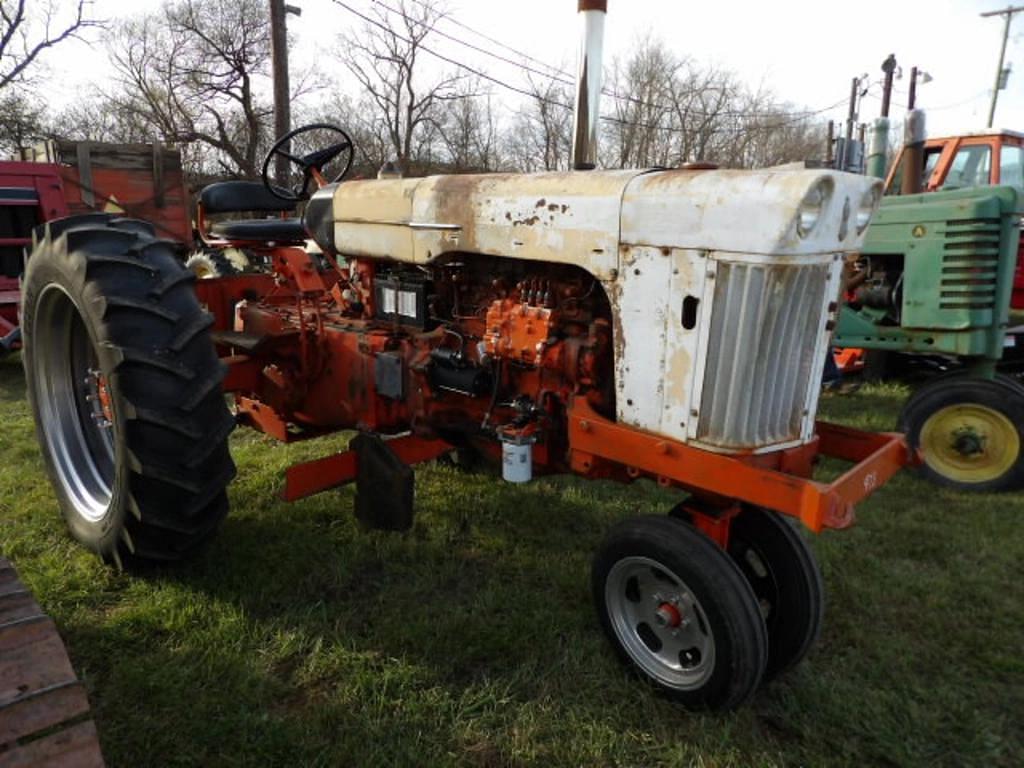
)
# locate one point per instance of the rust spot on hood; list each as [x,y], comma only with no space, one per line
[525,222]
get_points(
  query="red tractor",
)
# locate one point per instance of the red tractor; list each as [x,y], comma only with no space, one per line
[30,193]
[668,324]
[611,324]
[60,178]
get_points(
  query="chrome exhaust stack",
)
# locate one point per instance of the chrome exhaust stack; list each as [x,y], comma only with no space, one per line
[587,117]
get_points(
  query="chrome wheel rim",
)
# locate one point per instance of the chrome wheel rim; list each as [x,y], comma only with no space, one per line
[660,623]
[73,405]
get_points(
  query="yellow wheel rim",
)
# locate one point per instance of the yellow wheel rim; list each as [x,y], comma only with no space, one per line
[969,443]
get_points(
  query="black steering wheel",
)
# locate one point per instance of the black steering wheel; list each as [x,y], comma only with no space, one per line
[311,164]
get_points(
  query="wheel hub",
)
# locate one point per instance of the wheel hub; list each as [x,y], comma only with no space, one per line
[660,622]
[970,442]
[98,394]
[667,615]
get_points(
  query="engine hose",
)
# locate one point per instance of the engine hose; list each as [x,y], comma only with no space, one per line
[485,424]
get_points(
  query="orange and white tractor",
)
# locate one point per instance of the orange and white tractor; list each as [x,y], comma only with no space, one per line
[661,324]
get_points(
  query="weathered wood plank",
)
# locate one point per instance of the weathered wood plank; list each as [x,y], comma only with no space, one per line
[34,667]
[43,706]
[74,747]
[40,710]
[18,604]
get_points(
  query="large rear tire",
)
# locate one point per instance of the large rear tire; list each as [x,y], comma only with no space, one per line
[125,389]
[969,430]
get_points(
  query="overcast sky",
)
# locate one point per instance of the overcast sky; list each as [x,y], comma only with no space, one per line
[806,51]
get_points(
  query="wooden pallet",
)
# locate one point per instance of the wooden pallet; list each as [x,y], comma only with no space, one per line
[44,712]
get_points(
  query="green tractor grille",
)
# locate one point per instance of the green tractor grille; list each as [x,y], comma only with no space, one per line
[970,264]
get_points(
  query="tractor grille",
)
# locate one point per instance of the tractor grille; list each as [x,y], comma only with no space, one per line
[970,264]
[765,326]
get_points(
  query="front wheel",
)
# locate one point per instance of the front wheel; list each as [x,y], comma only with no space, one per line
[125,388]
[970,431]
[784,575]
[678,610]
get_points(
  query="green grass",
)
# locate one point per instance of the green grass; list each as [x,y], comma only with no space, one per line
[296,639]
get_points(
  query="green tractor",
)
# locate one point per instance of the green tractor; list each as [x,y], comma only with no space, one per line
[940,277]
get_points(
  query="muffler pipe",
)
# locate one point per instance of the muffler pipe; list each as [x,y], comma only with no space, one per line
[913,152]
[878,148]
[587,117]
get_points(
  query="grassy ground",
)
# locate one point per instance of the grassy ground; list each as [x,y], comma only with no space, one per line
[295,639]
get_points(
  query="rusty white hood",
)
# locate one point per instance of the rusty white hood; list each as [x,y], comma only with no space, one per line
[584,218]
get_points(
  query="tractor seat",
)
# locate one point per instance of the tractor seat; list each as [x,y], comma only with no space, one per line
[242,196]
[251,196]
[277,230]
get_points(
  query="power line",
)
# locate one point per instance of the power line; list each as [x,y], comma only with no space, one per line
[968,100]
[492,54]
[448,60]
[500,44]
[561,76]
[543,99]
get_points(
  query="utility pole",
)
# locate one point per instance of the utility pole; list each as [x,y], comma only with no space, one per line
[878,150]
[1008,15]
[282,93]
[888,67]
[846,159]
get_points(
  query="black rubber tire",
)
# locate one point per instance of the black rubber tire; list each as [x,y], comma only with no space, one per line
[785,578]
[210,264]
[170,461]
[739,636]
[1001,394]
[879,365]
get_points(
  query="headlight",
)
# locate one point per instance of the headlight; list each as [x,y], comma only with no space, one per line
[813,204]
[866,208]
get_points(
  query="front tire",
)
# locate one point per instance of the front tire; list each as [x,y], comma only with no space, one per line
[679,612]
[782,571]
[970,431]
[125,389]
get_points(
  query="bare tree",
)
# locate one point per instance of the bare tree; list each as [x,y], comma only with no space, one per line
[468,132]
[668,110]
[704,104]
[642,87]
[770,134]
[28,30]
[22,121]
[385,58]
[191,73]
[540,135]
[100,117]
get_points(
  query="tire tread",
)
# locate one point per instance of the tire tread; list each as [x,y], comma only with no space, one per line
[155,338]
